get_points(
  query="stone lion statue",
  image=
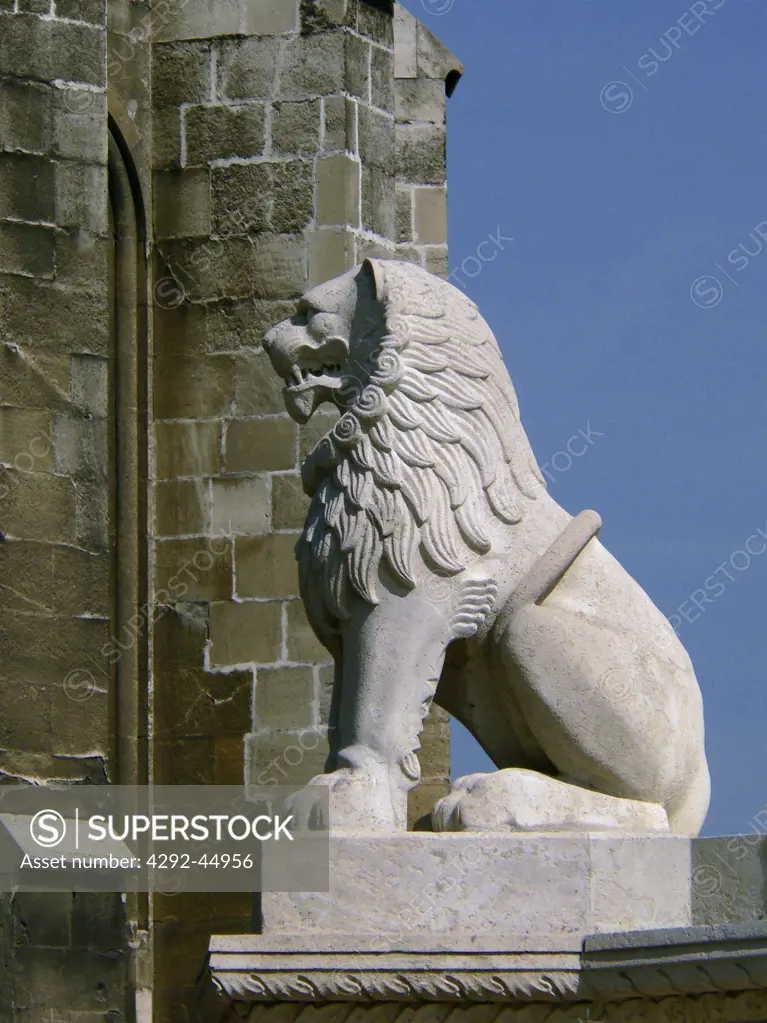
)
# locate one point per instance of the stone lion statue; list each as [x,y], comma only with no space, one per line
[434,565]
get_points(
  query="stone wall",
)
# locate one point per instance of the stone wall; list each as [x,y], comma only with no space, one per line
[150,495]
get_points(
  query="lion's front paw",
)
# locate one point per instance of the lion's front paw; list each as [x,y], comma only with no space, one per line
[519,800]
[350,800]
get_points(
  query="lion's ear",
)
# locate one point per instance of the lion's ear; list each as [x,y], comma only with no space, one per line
[374,271]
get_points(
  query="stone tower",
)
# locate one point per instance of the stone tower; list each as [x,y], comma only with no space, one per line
[173,175]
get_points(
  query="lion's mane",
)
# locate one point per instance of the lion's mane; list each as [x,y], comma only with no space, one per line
[429,452]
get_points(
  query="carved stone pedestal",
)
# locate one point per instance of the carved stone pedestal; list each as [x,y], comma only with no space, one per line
[583,928]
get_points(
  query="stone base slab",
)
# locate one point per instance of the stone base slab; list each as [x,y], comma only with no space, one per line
[486,884]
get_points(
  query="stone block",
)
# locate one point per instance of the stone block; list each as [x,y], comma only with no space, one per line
[92,11]
[405,227]
[260,445]
[80,447]
[26,249]
[76,734]
[92,515]
[40,384]
[98,918]
[491,885]
[382,79]
[357,58]
[430,217]
[303,645]
[420,802]
[181,508]
[25,440]
[245,633]
[235,325]
[166,137]
[196,702]
[181,203]
[187,449]
[421,154]
[246,69]
[197,19]
[327,674]
[259,197]
[285,757]
[26,187]
[296,127]
[331,252]
[257,388]
[435,260]
[289,503]
[378,202]
[271,17]
[80,134]
[81,260]
[405,43]
[26,115]
[340,124]
[194,569]
[313,66]
[27,573]
[216,132]
[194,387]
[320,15]
[266,566]
[240,506]
[25,709]
[44,649]
[81,581]
[376,248]
[420,99]
[180,634]
[377,24]
[338,191]
[81,196]
[376,140]
[229,769]
[180,73]
[44,919]
[37,507]
[284,698]
[38,315]
[49,50]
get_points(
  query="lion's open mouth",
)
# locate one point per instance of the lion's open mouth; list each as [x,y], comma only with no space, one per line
[302,377]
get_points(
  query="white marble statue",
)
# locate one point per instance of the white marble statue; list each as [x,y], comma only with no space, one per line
[435,565]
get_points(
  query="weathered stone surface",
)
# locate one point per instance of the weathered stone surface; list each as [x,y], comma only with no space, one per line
[196,19]
[312,66]
[47,50]
[26,187]
[286,757]
[246,68]
[377,23]
[271,17]
[289,503]
[303,645]
[36,315]
[181,203]
[338,191]
[430,216]
[257,391]
[37,507]
[80,447]
[240,506]
[382,79]
[26,440]
[216,132]
[266,566]
[242,633]
[377,141]
[193,569]
[26,249]
[378,202]
[181,508]
[187,449]
[357,54]
[92,11]
[166,138]
[25,115]
[420,99]
[331,252]
[195,387]
[534,884]
[202,703]
[436,260]
[260,445]
[296,127]
[340,124]
[180,73]
[81,196]
[284,698]
[405,226]
[421,153]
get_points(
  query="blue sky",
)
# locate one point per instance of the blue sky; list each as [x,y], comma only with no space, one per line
[622,144]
